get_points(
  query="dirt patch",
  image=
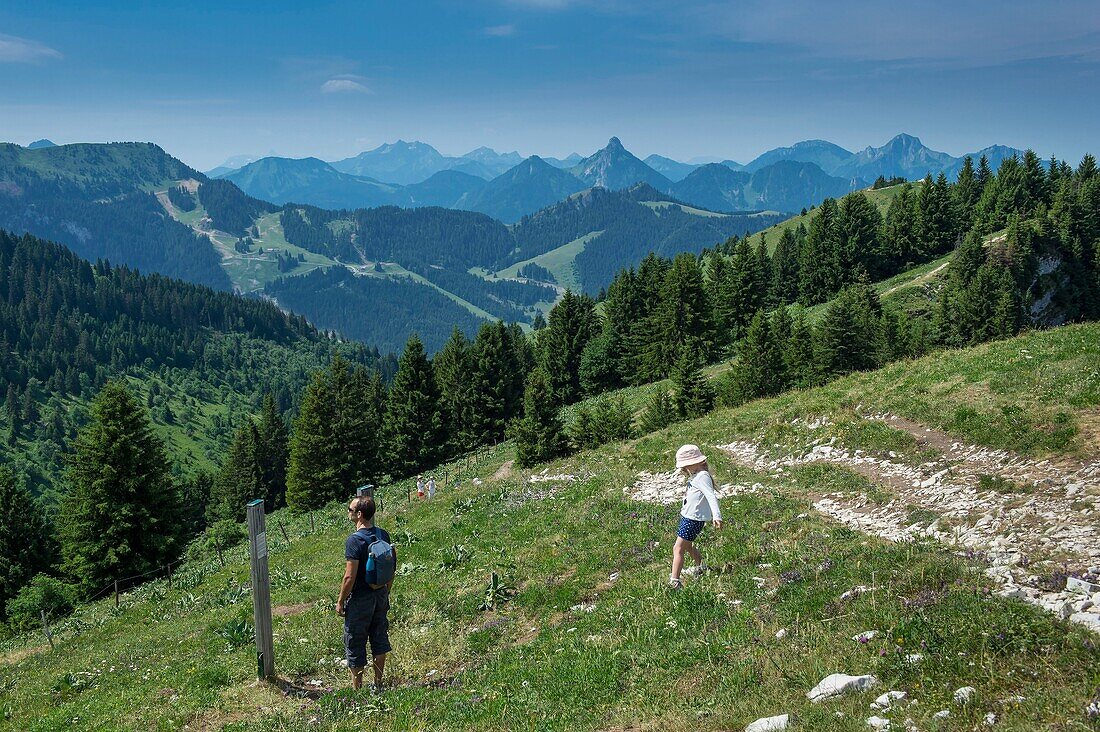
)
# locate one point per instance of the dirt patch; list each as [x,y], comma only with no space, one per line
[14,657]
[504,471]
[286,611]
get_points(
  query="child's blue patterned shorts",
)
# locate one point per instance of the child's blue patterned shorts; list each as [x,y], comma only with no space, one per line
[690,528]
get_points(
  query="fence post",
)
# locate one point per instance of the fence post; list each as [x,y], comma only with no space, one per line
[282,528]
[311,528]
[46,627]
[261,590]
[169,575]
[116,593]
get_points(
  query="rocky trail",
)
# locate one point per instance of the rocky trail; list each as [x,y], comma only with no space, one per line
[1036,522]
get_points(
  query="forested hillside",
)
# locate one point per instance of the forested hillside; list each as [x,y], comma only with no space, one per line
[197,357]
[97,200]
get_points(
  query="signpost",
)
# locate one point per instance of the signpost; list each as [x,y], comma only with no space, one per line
[261,590]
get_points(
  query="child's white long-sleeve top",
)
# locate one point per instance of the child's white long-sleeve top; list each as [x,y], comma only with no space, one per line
[700,502]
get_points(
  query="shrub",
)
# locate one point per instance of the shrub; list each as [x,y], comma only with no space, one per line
[43,593]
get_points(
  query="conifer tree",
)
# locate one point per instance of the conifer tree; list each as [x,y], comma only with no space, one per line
[858,222]
[819,267]
[26,544]
[639,364]
[798,352]
[122,509]
[573,323]
[764,271]
[539,434]
[240,479]
[966,192]
[898,246]
[758,369]
[360,409]
[622,314]
[785,269]
[659,413]
[273,452]
[454,371]
[312,478]
[692,395]
[746,292]
[850,331]
[683,316]
[495,373]
[598,367]
[414,429]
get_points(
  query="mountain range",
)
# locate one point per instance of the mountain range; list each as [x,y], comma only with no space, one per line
[506,187]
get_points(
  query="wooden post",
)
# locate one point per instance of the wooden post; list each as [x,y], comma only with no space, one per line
[311,522]
[282,528]
[116,593]
[169,575]
[261,590]
[46,627]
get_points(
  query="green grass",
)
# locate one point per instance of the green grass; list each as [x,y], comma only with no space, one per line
[685,208]
[560,262]
[642,658]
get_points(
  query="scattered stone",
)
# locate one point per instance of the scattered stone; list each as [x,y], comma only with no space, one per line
[854,592]
[1075,584]
[990,719]
[583,608]
[913,658]
[837,684]
[942,714]
[770,724]
[878,723]
[886,700]
[781,634]
[962,696]
[865,636]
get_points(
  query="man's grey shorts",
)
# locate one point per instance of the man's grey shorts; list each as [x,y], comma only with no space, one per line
[366,619]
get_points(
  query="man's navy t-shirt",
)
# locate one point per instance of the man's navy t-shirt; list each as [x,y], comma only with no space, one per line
[355,548]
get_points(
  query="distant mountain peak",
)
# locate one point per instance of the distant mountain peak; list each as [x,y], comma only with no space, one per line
[39,144]
[614,144]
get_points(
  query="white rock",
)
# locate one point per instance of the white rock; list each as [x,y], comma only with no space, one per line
[865,636]
[913,658]
[770,724]
[990,719]
[1085,587]
[942,714]
[836,684]
[878,723]
[885,700]
[781,634]
[962,695]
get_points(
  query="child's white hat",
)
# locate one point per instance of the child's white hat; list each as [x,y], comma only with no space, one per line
[689,455]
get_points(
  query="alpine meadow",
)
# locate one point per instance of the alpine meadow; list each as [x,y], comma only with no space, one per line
[621,435]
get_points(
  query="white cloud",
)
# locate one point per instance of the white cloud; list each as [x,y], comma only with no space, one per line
[25,51]
[499,31]
[338,86]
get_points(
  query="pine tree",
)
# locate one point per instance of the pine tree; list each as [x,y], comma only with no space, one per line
[122,506]
[764,271]
[539,434]
[312,478]
[240,479]
[573,323]
[758,369]
[26,544]
[785,269]
[937,227]
[798,352]
[598,367]
[682,317]
[747,293]
[658,414]
[360,408]
[898,246]
[850,331]
[494,388]
[966,192]
[454,370]
[858,224]
[692,395]
[414,429]
[273,455]
[819,267]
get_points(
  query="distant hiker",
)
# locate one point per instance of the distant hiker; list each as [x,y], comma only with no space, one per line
[419,486]
[700,506]
[431,487]
[364,600]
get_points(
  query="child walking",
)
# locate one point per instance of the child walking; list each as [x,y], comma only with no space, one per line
[700,506]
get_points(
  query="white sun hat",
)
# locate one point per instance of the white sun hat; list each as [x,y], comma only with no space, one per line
[689,455]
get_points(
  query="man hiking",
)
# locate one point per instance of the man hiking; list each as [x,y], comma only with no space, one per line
[364,600]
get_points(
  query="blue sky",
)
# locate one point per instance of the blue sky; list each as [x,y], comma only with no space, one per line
[683,79]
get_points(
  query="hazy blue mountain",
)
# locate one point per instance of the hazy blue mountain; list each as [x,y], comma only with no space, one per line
[490,160]
[39,144]
[733,165]
[789,185]
[713,186]
[674,170]
[398,162]
[526,188]
[615,168]
[235,162]
[994,154]
[447,188]
[567,162]
[823,154]
[312,181]
[903,155]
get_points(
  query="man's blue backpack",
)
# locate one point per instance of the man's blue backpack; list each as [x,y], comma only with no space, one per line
[381,561]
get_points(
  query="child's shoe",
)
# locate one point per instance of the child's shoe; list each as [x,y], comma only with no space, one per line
[674,583]
[697,571]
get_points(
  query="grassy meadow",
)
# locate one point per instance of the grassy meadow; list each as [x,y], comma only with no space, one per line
[579,631]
